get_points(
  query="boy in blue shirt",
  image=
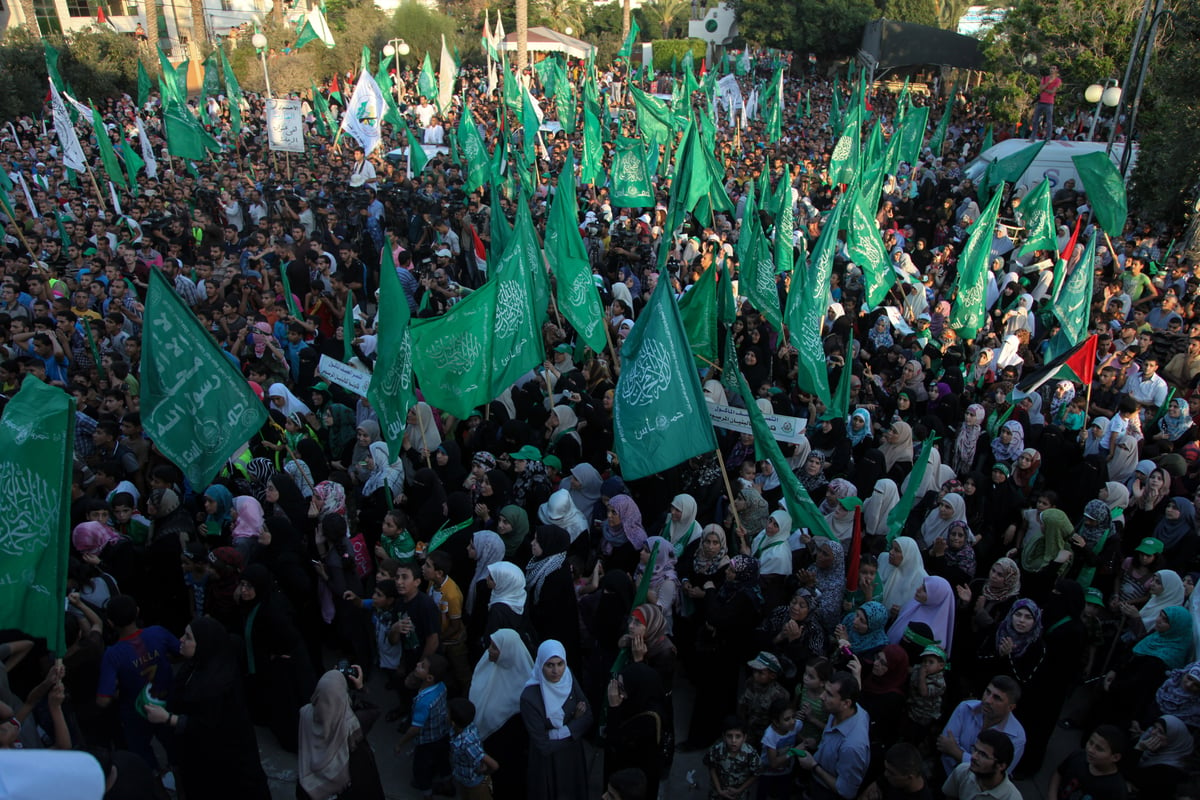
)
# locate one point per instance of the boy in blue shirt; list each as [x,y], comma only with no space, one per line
[430,725]
[469,764]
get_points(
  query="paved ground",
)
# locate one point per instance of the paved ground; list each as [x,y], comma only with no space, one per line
[688,779]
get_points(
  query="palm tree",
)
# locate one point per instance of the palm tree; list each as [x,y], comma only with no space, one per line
[564,14]
[198,42]
[30,14]
[664,13]
[626,15]
[522,33]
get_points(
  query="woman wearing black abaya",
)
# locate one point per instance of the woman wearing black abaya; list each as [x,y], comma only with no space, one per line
[425,502]
[163,594]
[279,678]
[636,724]
[282,497]
[282,551]
[553,608]
[218,754]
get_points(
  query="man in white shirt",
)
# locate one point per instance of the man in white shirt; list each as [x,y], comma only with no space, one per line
[363,168]
[1148,388]
[434,132]
[425,112]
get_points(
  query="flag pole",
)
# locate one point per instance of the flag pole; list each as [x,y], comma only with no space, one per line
[99,194]
[612,349]
[728,489]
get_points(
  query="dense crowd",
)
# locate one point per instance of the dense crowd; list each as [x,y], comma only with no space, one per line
[488,576]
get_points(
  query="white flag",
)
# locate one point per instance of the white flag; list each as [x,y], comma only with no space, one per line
[28,197]
[447,72]
[364,112]
[320,26]
[68,141]
[147,151]
[117,212]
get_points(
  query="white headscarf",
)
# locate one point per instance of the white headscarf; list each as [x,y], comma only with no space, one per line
[877,507]
[561,511]
[326,726]
[1006,353]
[422,434]
[901,583]
[291,404]
[554,695]
[496,685]
[510,586]
[934,527]
[1171,595]
[685,531]
[384,474]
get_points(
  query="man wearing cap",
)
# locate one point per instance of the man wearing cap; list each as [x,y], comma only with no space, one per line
[841,760]
[994,711]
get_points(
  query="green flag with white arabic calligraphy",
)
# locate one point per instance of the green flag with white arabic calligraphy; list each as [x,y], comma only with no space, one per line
[785,227]
[653,116]
[452,353]
[1037,215]
[970,309]
[807,302]
[479,169]
[865,246]
[196,405]
[591,167]
[1074,304]
[37,434]
[391,390]
[578,298]
[630,180]
[660,418]
[522,296]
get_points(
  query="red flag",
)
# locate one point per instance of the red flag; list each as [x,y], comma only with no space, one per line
[101,17]
[478,251]
[704,67]
[855,551]
[1083,361]
[1070,248]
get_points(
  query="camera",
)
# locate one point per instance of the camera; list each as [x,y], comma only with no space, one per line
[347,669]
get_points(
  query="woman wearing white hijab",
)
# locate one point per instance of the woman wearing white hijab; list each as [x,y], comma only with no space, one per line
[1020,317]
[383,473]
[1170,593]
[1124,460]
[950,509]
[498,681]
[901,573]
[561,511]
[682,528]
[1006,354]
[556,717]
[421,432]
[932,480]
[286,403]
[333,750]
[877,507]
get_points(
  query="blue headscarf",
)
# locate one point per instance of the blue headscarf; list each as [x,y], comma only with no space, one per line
[857,437]
[875,637]
[214,525]
[1172,647]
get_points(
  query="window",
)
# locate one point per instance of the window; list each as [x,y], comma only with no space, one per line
[47,16]
[78,8]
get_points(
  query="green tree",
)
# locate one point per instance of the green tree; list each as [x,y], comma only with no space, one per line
[825,27]
[664,14]
[1166,181]
[921,12]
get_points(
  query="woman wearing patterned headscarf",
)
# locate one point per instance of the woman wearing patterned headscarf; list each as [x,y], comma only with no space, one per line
[1016,648]
[966,444]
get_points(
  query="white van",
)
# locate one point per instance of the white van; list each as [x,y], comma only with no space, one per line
[1053,162]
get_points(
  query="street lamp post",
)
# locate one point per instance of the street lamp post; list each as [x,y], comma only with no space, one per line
[260,43]
[1109,95]
[392,48]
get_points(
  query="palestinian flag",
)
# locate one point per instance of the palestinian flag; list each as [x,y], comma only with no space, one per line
[479,252]
[335,92]
[1078,363]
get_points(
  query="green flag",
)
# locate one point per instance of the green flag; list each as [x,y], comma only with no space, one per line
[939,135]
[654,118]
[843,164]
[898,516]
[626,51]
[578,298]
[51,55]
[144,85]
[807,302]
[1037,215]
[1105,190]
[108,156]
[758,283]
[591,167]
[1008,169]
[841,396]
[475,151]
[185,137]
[912,133]
[523,295]
[1073,306]
[804,512]
[698,310]
[348,327]
[196,405]
[785,227]
[233,93]
[416,153]
[500,227]
[169,82]
[452,353]
[529,129]
[864,244]
[427,81]
[630,180]
[970,309]
[988,140]
[211,85]
[660,418]
[133,165]
[37,433]
[326,122]
[391,390]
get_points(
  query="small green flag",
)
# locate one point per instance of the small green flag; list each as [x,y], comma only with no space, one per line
[660,417]
[626,51]
[576,292]
[416,154]
[970,309]
[474,150]
[698,310]
[133,165]
[1073,306]
[348,326]
[989,140]
[864,244]
[185,137]
[427,83]
[107,155]
[452,353]
[630,181]
[196,405]
[144,85]
[37,435]
[1037,215]
[898,516]
[807,302]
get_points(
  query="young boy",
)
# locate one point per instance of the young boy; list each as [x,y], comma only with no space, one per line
[810,709]
[928,685]
[469,764]
[869,585]
[386,622]
[732,764]
[1093,771]
[775,777]
[430,725]
[762,688]
[396,542]
[449,599]
[195,576]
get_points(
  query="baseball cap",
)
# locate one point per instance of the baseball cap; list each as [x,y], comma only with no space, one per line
[527,453]
[1094,596]
[934,650]
[1150,546]
[765,660]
